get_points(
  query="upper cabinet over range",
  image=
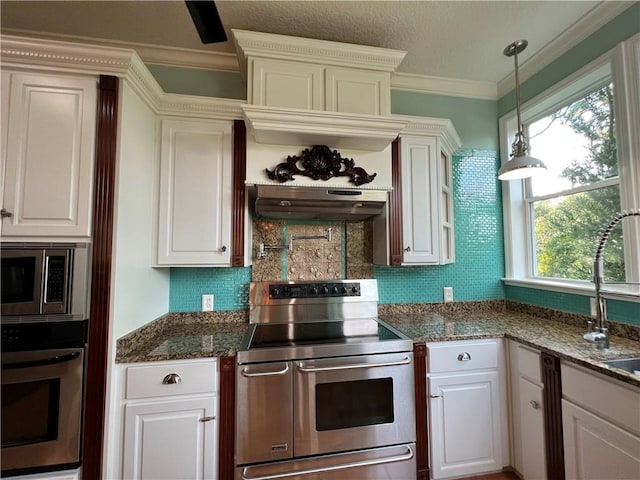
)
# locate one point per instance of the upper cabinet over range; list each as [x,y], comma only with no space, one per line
[302,91]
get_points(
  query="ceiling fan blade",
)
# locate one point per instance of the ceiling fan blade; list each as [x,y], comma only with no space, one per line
[207,21]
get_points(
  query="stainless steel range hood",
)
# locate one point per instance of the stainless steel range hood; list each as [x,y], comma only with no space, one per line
[314,203]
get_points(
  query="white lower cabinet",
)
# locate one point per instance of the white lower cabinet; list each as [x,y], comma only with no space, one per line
[170,421]
[601,423]
[527,412]
[466,390]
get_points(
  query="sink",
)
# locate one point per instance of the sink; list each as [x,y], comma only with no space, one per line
[631,365]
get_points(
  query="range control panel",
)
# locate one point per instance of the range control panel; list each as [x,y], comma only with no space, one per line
[324,289]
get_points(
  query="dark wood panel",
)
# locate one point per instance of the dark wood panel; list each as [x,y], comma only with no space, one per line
[227,417]
[102,233]
[395,207]
[552,398]
[420,378]
[239,193]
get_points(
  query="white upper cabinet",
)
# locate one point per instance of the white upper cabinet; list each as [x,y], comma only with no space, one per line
[48,137]
[195,193]
[350,90]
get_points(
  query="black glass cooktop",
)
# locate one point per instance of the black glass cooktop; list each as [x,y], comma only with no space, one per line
[272,335]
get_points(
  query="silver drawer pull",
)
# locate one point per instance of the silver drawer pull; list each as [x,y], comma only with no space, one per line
[245,373]
[330,468]
[207,419]
[435,396]
[464,357]
[303,368]
[535,404]
[171,379]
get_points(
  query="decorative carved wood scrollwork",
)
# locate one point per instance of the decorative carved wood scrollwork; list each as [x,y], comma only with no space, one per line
[319,163]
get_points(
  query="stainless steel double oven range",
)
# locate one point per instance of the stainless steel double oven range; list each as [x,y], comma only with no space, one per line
[325,390]
[44,331]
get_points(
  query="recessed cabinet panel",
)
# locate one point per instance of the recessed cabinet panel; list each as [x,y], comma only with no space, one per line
[279,83]
[419,200]
[49,155]
[194,226]
[357,91]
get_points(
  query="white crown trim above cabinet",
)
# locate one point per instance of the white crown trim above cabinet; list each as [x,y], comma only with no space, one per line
[49,125]
[195,193]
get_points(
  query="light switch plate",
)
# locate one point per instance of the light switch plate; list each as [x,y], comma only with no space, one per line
[207,303]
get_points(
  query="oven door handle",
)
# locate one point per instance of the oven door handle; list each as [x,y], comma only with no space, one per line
[245,373]
[41,361]
[362,463]
[302,368]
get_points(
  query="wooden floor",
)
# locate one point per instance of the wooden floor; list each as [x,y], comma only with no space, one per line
[495,476]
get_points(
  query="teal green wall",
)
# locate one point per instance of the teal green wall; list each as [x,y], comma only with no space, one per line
[205,83]
[474,119]
[619,29]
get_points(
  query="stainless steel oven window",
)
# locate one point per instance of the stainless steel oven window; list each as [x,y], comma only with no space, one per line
[42,395]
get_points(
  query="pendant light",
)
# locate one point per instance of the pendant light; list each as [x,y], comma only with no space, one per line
[521,165]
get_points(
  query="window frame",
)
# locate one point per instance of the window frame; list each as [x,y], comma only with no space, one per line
[621,66]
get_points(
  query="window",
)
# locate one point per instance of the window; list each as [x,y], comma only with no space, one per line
[579,192]
[583,129]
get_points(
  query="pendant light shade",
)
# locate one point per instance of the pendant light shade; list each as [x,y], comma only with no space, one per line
[521,165]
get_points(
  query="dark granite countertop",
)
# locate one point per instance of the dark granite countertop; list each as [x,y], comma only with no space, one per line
[215,334]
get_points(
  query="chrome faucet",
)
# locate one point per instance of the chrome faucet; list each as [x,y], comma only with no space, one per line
[601,334]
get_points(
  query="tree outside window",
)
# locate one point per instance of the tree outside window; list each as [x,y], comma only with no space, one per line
[580,192]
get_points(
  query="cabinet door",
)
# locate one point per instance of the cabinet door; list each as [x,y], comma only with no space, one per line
[595,448]
[195,198]
[530,442]
[357,91]
[465,424]
[420,195]
[279,83]
[170,440]
[48,157]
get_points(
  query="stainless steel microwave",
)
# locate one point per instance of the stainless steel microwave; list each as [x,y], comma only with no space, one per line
[44,281]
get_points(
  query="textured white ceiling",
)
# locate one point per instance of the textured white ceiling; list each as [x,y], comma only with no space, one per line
[452,39]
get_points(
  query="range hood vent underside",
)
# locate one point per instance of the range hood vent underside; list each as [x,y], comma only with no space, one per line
[300,203]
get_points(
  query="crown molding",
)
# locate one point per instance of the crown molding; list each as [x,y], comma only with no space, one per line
[444,86]
[266,45]
[68,57]
[440,127]
[598,17]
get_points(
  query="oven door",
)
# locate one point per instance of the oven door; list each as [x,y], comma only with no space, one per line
[41,409]
[350,403]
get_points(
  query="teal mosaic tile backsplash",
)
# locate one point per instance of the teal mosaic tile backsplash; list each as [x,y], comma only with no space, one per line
[617,310]
[479,262]
[229,286]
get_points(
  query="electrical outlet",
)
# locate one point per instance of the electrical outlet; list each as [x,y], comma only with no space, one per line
[592,306]
[448,294]
[207,303]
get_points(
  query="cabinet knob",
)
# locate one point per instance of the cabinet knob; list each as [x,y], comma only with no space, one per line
[408,249]
[464,357]
[171,379]
[535,404]
[207,419]
[4,213]
[223,248]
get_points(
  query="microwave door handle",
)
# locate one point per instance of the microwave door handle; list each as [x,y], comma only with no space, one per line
[42,361]
[362,463]
[302,368]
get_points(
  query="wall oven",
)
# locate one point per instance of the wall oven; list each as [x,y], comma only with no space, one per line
[44,281]
[42,396]
[325,390]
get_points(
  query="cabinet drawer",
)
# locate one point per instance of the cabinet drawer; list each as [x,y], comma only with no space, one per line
[165,379]
[529,363]
[462,356]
